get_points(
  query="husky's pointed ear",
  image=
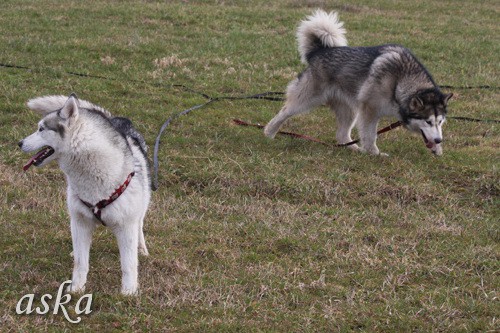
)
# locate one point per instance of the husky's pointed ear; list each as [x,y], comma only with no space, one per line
[416,103]
[70,108]
[447,98]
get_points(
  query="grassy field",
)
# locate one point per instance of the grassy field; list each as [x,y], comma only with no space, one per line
[246,233]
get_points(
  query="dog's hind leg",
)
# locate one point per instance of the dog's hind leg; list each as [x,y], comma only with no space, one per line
[274,125]
[81,234]
[301,98]
[346,118]
[128,241]
[143,250]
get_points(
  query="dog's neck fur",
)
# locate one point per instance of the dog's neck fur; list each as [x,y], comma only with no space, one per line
[94,166]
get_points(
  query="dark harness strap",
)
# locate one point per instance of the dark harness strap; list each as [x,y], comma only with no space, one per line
[96,209]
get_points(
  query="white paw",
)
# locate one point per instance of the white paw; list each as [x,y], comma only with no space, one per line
[270,133]
[354,147]
[143,251]
[371,151]
[75,289]
[130,291]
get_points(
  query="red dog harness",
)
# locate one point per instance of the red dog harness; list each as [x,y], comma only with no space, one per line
[96,209]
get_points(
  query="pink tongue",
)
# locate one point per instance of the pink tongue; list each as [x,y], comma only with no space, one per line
[429,144]
[34,158]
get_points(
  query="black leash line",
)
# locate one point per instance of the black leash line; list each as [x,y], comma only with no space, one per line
[470,87]
[154,184]
[477,120]
[6,65]
[266,95]
[14,66]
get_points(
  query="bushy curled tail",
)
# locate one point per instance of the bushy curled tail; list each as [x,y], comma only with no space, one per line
[320,30]
[47,104]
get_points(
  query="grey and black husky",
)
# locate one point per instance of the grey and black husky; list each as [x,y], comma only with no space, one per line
[361,85]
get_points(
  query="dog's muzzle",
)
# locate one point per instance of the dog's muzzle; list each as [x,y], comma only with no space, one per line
[39,157]
[434,145]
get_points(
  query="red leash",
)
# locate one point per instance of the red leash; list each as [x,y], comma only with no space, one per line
[295,135]
[309,138]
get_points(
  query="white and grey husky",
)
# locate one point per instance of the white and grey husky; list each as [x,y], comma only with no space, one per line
[361,85]
[104,159]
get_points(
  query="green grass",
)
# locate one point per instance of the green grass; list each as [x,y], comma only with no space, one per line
[245,233]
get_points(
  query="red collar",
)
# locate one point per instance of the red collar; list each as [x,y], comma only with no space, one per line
[96,209]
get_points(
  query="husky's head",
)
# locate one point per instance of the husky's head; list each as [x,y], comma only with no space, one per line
[52,129]
[426,116]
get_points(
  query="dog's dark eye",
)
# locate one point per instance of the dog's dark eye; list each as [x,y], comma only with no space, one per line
[41,129]
[429,122]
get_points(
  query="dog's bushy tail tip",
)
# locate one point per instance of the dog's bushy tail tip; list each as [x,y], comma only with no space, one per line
[319,30]
[46,104]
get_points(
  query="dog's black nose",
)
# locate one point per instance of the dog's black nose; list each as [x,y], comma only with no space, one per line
[20,143]
[438,140]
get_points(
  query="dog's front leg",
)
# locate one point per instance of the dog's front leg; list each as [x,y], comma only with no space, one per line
[367,128]
[81,234]
[128,239]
